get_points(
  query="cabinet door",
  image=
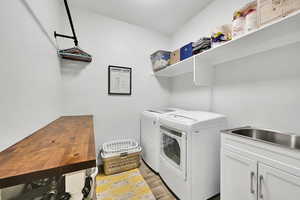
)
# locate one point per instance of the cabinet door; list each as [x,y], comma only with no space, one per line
[238,177]
[274,184]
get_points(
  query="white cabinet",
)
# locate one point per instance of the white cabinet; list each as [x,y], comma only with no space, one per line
[275,184]
[252,170]
[239,177]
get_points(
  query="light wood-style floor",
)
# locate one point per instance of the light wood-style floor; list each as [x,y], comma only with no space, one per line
[157,186]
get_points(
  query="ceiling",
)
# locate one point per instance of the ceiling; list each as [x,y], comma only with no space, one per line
[165,16]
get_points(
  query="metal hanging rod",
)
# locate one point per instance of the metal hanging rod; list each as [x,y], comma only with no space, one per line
[74,37]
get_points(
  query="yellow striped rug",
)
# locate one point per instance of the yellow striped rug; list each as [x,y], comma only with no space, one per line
[128,185]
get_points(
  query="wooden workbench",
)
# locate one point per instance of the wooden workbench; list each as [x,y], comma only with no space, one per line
[65,145]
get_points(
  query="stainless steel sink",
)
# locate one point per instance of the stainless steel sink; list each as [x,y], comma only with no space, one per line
[273,137]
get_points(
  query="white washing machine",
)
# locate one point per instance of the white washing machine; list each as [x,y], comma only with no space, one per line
[190,153]
[150,135]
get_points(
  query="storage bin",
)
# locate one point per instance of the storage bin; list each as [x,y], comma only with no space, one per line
[121,155]
[238,24]
[160,59]
[175,57]
[251,20]
[250,13]
[290,6]
[186,51]
[269,10]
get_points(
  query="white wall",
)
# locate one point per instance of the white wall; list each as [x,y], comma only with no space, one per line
[260,90]
[183,92]
[217,13]
[29,72]
[112,42]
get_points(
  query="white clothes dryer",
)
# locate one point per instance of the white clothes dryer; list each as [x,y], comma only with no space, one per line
[190,153]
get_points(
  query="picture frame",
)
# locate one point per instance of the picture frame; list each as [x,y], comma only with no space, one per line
[119,80]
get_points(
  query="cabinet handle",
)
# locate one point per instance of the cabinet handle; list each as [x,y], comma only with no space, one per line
[251,184]
[261,178]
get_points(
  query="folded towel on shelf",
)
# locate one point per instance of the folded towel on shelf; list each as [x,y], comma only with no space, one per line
[201,45]
[204,40]
[200,50]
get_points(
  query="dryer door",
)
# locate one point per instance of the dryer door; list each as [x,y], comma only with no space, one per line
[173,149]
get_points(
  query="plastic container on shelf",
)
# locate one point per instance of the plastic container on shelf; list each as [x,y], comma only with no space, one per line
[251,20]
[238,24]
[245,19]
[250,13]
[120,155]
[160,59]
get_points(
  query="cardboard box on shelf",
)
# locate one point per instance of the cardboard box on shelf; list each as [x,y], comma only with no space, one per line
[270,10]
[290,6]
[175,57]
[186,51]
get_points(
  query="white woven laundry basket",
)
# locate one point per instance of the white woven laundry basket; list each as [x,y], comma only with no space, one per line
[120,155]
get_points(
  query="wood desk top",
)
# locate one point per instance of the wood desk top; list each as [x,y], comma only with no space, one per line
[65,145]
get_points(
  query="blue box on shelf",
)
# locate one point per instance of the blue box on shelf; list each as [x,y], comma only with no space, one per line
[186,51]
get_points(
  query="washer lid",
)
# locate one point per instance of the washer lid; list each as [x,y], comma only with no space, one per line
[162,111]
[193,116]
[190,119]
[183,119]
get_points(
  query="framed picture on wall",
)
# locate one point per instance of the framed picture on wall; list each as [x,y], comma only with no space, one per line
[119,80]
